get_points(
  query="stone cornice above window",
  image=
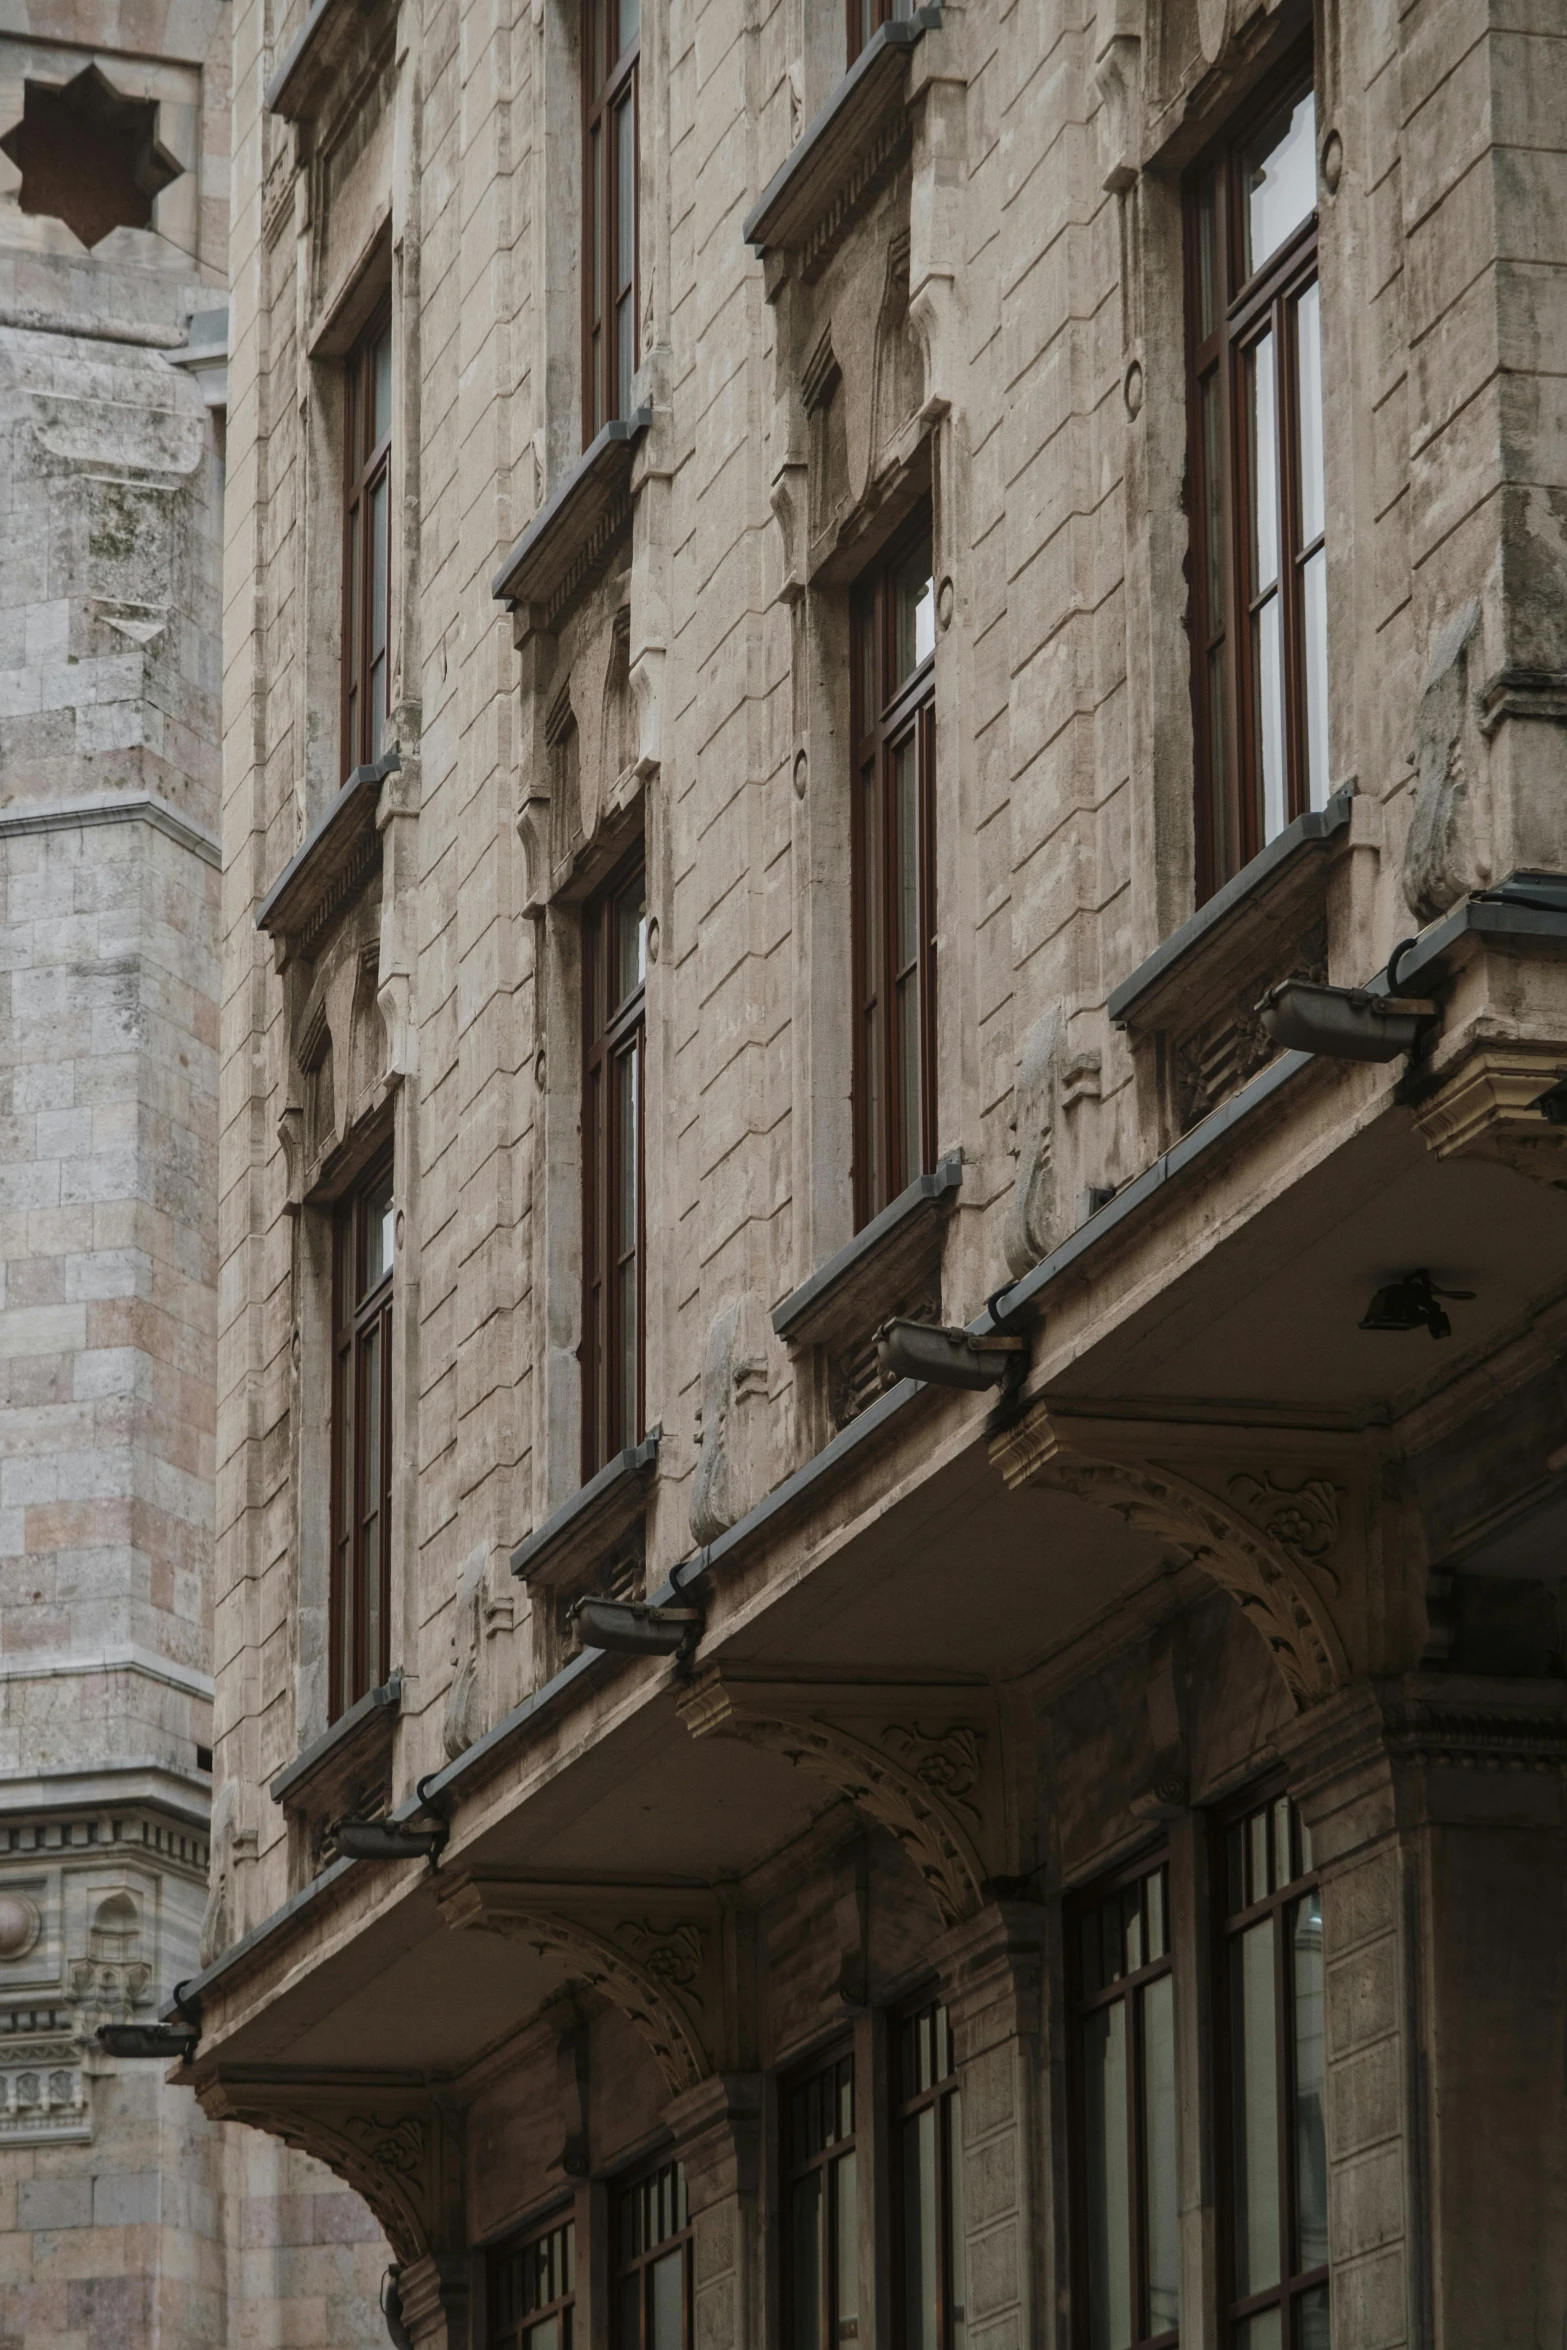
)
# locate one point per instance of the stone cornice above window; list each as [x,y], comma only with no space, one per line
[597,1518]
[844,154]
[323,52]
[864,1281]
[328,868]
[324,1780]
[568,541]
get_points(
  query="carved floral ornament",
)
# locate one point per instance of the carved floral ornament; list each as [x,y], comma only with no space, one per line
[1267,1546]
[918,1779]
[649,1962]
[391,2151]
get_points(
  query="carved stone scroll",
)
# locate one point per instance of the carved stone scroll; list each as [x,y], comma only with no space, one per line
[1267,1569]
[393,2144]
[918,1779]
[651,1960]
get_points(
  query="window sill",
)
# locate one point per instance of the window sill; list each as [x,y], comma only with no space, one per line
[358,1746]
[597,1517]
[326,870]
[861,1284]
[842,154]
[1238,926]
[565,544]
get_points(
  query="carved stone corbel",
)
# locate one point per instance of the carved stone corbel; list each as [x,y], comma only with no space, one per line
[652,1954]
[391,2141]
[1268,1569]
[1489,1108]
[896,1753]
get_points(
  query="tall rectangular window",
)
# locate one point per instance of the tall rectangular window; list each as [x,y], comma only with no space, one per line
[1124,2136]
[1276,2172]
[821,2210]
[893,696]
[652,2262]
[1259,597]
[533,2291]
[362,1439]
[930,2224]
[614,976]
[367,554]
[611,37]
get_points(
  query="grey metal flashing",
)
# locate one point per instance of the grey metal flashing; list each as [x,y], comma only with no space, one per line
[283,91]
[540,564]
[386,1699]
[1525,909]
[914,1200]
[1309,835]
[110,808]
[837,137]
[629,1468]
[269,1928]
[286,908]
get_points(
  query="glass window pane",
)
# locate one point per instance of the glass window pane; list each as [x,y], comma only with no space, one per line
[544,2336]
[377,1213]
[1262,424]
[666,2302]
[1132,1926]
[1315,599]
[1268,653]
[628,2313]
[1279,177]
[1108,2180]
[1156,1933]
[805,2264]
[906,902]
[957,2245]
[630,22]
[1264,2332]
[383,388]
[1311,2155]
[1311,2320]
[1213,502]
[1308,361]
[1207,260]
[919,2231]
[915,611]
[1254,2109]
[631,941]
[1283,1864]
[1225,854]
[1163,2221]
[846,2246]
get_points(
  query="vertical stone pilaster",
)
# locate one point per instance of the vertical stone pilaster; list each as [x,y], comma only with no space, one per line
[1440,1836]
[717,2131]
[992,1973]
[435,2295]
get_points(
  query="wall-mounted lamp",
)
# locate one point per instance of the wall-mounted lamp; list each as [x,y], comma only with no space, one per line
[171,2042]
[628,1627]
[396,1839]
[1410,1304]
[1345,1023]
[946,1357]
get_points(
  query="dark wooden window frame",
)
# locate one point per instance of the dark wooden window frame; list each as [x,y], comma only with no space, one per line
[797,2167]
[944,2095]
[366,467]
[1085,1899]
[863,18]
[361,1325]
[905,710]
[638,2264]
[1227,757]
[1228,1925]
[605,274]
[508,2330]
[606,1041]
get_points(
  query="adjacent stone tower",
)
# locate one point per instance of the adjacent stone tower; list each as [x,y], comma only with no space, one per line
[125,2217]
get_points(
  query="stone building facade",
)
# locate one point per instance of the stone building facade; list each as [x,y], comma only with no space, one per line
[891,1443]
[126,2217]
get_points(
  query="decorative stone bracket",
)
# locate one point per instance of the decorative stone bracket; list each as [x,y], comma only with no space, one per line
[918,1760]
[1267,1546]
[1489,1108]
[392,2142]
[654,1954]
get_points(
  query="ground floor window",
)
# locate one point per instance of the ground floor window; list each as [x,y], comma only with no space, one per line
[821,2208]
[931,2228]
[652,2252]
[533,2291]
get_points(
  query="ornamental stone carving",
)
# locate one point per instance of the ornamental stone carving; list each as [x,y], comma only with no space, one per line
[397,2147]
[1491,1107]
[1272,1580]
[919,1781]
[654,1968]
